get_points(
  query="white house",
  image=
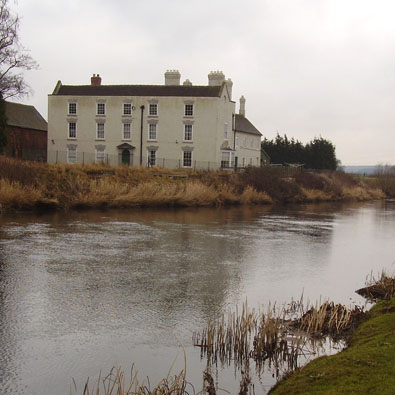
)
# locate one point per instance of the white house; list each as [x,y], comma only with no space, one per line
[170,125]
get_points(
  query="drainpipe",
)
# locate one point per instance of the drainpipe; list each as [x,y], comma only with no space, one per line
[141,136]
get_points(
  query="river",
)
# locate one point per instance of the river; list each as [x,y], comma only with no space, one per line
[83,291]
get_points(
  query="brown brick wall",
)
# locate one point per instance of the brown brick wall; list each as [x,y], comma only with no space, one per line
[26,143]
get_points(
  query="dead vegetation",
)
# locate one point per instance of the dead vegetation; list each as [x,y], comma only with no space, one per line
[276,337]
[116,383]
[29,185]
[377,288]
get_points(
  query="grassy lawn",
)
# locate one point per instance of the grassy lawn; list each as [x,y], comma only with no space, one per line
[367,366]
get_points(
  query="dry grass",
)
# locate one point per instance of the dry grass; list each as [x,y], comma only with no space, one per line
[15,195]
[251,196]
[29,184]
[314,195]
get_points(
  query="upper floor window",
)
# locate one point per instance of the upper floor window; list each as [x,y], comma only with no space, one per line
[153,109]
[127,108]
[152,131]
[188,110]
[100,131]
[126,134]
[101,108]
[72,108]
[226,131]
[72,132]
[188,133]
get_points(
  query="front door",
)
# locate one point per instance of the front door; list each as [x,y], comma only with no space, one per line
[126,157]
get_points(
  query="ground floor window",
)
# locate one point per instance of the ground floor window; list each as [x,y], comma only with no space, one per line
[187,159]
[227,159]
[72,155]
[100,155]
[151,158]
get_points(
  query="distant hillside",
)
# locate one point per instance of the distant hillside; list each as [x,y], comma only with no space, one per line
[367,170]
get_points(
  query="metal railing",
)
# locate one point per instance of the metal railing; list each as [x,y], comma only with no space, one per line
[117,160]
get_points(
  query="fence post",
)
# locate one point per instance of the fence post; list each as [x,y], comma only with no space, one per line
[56,156]
[83,158]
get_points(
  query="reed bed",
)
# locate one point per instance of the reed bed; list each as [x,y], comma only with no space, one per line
[377,288]
[278,336]
[116,383]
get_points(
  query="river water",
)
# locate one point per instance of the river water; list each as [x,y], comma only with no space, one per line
[83,291]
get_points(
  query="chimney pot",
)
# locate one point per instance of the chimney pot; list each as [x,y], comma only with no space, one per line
[216,78]
[242,110]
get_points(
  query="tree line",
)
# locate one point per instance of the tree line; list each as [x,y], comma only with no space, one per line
[319,153]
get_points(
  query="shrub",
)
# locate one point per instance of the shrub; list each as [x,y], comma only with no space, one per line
[270,180]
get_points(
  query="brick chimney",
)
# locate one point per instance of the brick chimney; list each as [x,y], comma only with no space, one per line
[96,80]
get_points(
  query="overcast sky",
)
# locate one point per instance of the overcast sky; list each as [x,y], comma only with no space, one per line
[306,67]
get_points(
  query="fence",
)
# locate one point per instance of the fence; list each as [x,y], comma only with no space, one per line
[38,155]
[117,160]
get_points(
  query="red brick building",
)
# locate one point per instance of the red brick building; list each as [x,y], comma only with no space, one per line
[27,133]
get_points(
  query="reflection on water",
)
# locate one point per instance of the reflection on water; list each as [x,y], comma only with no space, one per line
[82,291]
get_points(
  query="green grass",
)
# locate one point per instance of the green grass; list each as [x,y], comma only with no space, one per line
[367,366]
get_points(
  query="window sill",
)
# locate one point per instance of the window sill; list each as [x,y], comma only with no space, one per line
[101,115]
[153,116]
[72,115]
[100,139]
[126,140]
[152,141]
[71,138]
[188,116]
[187,141]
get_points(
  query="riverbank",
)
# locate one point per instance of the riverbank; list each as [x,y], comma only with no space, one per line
[365,367]
[32,185]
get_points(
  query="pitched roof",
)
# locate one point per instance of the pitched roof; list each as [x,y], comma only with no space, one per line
[138,90]
[242,124]
[24,116]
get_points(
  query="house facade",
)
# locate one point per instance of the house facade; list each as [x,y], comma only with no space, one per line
[172,125]
[27,132]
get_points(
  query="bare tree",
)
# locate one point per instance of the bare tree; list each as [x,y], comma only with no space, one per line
[14,58]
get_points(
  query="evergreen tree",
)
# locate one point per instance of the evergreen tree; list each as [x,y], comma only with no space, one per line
[321,154]
[317,154]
